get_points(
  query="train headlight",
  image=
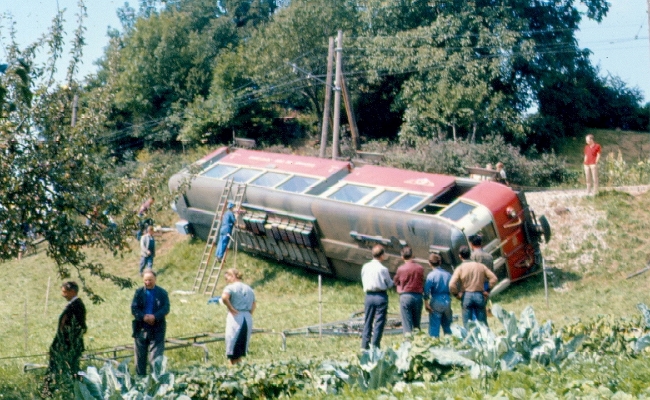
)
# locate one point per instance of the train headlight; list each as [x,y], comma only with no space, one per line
[511,212]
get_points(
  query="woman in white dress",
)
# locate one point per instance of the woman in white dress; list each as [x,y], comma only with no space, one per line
[239,298]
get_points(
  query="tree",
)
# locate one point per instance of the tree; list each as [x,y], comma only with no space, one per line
[257,81]
[54,170]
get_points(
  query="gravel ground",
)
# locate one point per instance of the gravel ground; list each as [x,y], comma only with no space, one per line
[573,220]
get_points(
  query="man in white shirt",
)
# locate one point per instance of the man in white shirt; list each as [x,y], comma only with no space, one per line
[376,280]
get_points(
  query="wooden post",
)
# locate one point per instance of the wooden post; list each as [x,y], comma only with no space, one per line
[354,132]
[328,99]
[337,97]
[320,307]
[75,101]
[47,295]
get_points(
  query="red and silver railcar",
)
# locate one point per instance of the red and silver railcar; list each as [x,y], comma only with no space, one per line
[326,215]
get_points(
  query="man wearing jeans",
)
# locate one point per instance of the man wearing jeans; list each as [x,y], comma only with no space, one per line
[436,288]
[592,156]
[409,281]
[376,280]
[468,284]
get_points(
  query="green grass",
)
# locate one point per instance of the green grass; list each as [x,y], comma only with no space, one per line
[288,298]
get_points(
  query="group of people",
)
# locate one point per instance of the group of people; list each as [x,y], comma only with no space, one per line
[470,283]
[149,307]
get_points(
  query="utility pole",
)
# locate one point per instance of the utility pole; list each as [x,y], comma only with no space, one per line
[337,97]
[328,99]
[354,132]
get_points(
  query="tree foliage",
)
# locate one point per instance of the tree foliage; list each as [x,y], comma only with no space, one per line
[55,179]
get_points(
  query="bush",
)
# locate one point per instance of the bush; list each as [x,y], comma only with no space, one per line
[452,158]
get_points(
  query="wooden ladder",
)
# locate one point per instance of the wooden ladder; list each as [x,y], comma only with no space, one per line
[213,236]
[215,271]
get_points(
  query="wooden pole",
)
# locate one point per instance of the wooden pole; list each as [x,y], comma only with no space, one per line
[47,295]
[337,97]
[75,101]
[328,99]
[320,307]
[354,132]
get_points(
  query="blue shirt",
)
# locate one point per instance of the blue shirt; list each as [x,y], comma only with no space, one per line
[437,284]
[148,304]
[227,222]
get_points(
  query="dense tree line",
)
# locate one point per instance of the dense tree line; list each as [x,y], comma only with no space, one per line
[197,70]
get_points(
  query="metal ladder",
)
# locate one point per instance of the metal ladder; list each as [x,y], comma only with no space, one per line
[215,271]
[213,236]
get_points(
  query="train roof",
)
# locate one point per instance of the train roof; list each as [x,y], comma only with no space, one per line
[290,163]
[413,181]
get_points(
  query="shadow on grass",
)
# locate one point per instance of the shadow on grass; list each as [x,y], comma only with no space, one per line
[556,277]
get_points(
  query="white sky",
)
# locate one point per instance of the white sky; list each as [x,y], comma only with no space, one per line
[620,43]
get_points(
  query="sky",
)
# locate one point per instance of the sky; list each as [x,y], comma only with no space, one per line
[620,44]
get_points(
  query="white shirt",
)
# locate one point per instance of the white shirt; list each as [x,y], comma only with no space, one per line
[375,277]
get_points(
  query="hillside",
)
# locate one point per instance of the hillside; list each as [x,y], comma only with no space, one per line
[633,146]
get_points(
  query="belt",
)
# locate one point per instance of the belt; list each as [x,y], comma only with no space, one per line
[376,291]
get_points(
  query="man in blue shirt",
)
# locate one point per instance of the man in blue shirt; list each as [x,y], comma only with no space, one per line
[149,307]
[436,288]
[227,223]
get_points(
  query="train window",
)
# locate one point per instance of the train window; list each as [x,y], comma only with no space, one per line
[488,233]
[457,211]
[297,184]
[351,193]
[245,175]
[406,203]
[383,198]
[270,179]
[219,171]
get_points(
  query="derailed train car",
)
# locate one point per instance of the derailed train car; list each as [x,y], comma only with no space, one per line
[326,215]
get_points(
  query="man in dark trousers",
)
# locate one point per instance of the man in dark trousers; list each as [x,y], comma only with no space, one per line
[375,280]
[149,307]
[227,223]
[147,249]
[409,281]
[468,283]
[68,344]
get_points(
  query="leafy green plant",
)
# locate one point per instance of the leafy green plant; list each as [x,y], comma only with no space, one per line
[117,383]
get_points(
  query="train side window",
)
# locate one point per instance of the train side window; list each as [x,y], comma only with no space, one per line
[384,198]
[269,179]
[297,184]
[219,171]
[407,202]
[457,211]
[245,175]
[351,193]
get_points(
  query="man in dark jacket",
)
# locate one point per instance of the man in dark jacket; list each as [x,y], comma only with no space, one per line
[149,307]
[68,344]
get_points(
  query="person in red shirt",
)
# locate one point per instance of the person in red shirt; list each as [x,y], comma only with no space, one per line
[409,281]
[592,156]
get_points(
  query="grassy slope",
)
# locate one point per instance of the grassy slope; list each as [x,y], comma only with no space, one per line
[288,298]
[634,146]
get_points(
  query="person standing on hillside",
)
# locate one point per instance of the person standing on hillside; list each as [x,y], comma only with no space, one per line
[376,281]
[149,307]
[592,156]
[68,344]
[227,223]
[501,174]
[239,298]
[147,250]
[409,281]
[436,288]
[468,284]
